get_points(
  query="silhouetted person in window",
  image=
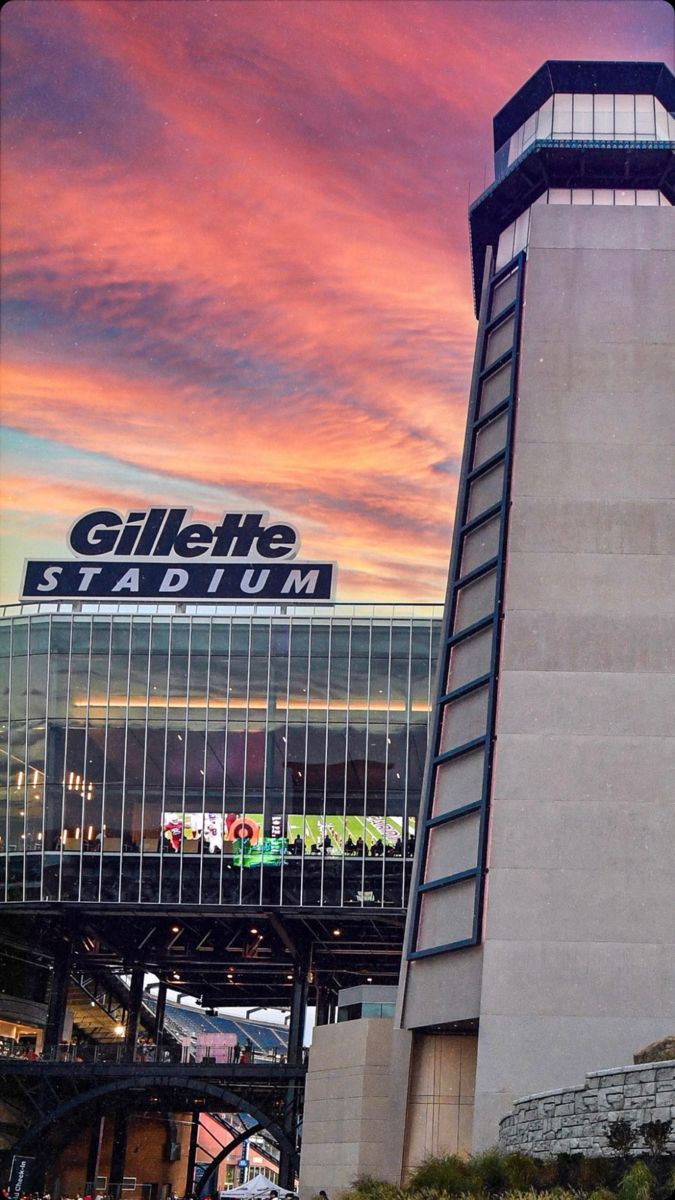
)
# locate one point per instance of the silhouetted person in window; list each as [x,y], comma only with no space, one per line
[377,849]
[350,848]
[397,850]
[410,848]
[360,846]
[327,844]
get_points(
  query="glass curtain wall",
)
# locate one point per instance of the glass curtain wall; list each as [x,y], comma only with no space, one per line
[234,761]
[589,117]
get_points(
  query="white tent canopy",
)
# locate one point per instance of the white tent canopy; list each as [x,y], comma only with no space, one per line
[257,1188]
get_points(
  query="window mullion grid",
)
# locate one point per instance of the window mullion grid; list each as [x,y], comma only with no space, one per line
[104,772]
[345,785]
[285,736]
[65,758]
[244,802]
[326,752]
[45,761]
[496,638]
[146,739]
[503,315]
[26,765]
[164,841]
[224,796]
[186,727]
[124,768]
[406,757]
[454,592]
[8,788]
[365,771]
[85,786]
[306,753]
[267,824]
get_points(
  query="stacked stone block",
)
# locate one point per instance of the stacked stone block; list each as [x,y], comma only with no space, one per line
[574,1120]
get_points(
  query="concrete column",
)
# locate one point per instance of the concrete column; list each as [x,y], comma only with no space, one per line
[58,997]
[135,999]
[160,1014]
[118,1154]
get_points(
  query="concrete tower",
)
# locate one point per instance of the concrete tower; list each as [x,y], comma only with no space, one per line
[541,930]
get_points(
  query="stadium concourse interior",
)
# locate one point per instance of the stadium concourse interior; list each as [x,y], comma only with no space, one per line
[161,1141]
[243,960]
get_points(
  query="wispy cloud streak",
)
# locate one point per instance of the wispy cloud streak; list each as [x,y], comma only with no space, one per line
[236,256]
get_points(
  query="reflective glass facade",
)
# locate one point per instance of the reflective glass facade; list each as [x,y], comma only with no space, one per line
[582,115]
[220,760]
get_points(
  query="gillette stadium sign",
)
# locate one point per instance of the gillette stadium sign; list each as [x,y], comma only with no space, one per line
[160,554]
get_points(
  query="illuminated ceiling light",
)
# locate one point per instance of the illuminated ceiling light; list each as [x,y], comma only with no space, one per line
[120,1030]
[236,702]
[289,976]
[337,932]
[176,975]
[369,979]
[253,931]
[92,1004]
[175,928]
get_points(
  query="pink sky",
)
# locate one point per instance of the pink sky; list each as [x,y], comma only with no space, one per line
[236,269]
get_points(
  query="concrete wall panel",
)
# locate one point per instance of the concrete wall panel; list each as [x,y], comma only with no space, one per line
[578,954]
[441,1097]
[553,641]
[356,1090]
[627,769]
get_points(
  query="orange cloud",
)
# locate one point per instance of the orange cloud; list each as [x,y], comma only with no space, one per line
[236,252]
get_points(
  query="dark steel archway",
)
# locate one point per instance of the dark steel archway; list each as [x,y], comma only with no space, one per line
[199,1089]
[205,1181]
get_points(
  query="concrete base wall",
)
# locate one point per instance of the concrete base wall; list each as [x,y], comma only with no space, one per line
[440,1098]
[576,1120]
[579,942]
[355,1099]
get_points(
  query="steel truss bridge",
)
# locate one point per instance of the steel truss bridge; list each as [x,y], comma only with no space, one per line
[54,1100]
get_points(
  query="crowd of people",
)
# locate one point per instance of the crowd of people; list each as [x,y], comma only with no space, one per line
[358,848]
[5,1195]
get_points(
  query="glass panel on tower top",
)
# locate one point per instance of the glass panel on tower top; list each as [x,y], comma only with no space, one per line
[588,117]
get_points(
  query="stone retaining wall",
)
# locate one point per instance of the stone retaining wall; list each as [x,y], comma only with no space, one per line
[574,1119]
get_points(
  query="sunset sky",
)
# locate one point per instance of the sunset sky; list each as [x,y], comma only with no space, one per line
[236,270]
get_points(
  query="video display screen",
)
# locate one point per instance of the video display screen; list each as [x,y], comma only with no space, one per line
[236,833]
[346,835]
[241,836]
